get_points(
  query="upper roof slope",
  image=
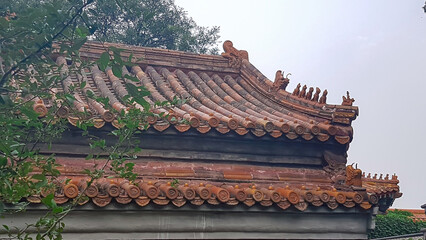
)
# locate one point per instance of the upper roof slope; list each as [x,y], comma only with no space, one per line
[224,92]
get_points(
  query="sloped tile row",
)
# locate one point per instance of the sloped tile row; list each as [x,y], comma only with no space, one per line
[142,193]
[213,102]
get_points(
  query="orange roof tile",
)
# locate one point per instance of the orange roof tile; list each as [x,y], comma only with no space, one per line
[226,93]
[202,183]
[382,186]
[197,192]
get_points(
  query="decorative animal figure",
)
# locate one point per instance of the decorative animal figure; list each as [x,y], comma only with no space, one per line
[316,95]
[303,92]
[347,101]
[353,176]
[309,94]
[296,90]
[280,82]
[323,98]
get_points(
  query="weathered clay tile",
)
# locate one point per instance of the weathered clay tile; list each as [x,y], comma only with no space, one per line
[203,128]
[254,193]
[221,194]
[142,201]
[301,206]
[238,98]
[149,190]
[179,172]
[179,202]
[168,191]
[237,175]
[103,190]
[101,201]
[289,194]
[92,191]
[233,97]
[237,193]
[187,192]
[332,205]
[284,204]
[202,191]
[71,190]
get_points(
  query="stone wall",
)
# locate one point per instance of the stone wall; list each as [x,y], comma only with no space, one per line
[204,222]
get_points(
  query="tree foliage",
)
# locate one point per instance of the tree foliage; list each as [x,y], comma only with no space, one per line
[32,33]
[395,223]
[149,23]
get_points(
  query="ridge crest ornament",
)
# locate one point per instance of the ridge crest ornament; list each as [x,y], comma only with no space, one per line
[234,55]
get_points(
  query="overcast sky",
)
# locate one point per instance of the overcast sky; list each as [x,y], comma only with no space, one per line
[374,49]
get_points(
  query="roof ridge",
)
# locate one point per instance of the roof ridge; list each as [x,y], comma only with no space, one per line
[163,192]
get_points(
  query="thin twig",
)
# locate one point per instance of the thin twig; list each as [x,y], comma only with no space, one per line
[45,45]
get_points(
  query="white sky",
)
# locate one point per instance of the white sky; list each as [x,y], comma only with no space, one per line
[374,49]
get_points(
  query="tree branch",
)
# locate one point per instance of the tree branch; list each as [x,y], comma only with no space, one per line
[45,45]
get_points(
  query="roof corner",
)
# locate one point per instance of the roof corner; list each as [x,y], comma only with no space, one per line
[234,56]
[344,113]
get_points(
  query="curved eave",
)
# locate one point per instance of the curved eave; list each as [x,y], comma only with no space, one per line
[160,192]
[220,96]
[335,113]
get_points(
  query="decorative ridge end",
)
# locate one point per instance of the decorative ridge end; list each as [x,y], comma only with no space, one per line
[234,55]
[344,114]
[353,176]
[280,81]
[347,101]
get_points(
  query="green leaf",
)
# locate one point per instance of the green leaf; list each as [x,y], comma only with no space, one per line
[103,61]
[77,45]
[117,70]
[132,89]
[25,168]
[70,98]
[3,161]
[129,61]
[82,32]
[49,201]
[40,177]
[116,50]
[30,113]
[138,94]
[129,165]
[131,78]
[117,58]
[5,226]
[56,210]
[90,94]
[83,84]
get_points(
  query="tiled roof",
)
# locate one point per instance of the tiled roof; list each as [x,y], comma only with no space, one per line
[382,186]
[213,184]
[142,192]
[226,93]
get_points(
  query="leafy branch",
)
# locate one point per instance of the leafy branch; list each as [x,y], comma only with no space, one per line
[14,69]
